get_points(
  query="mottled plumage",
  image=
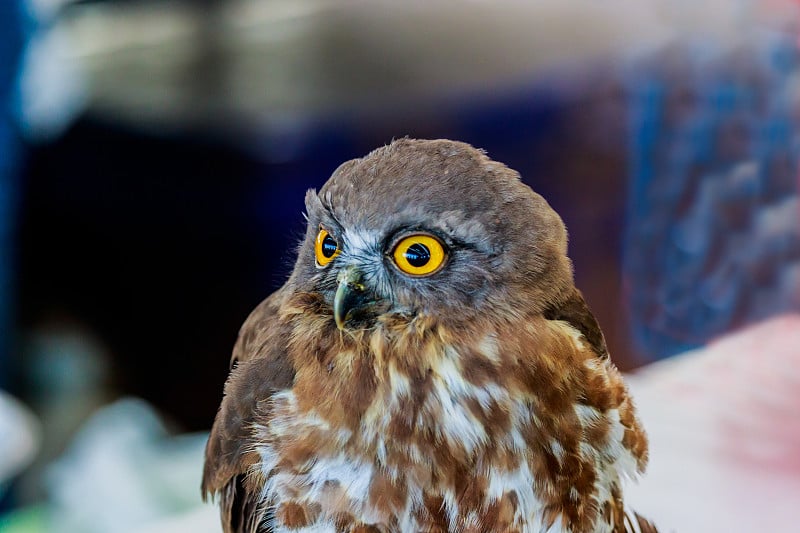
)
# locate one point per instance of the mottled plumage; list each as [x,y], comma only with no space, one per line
[372,395]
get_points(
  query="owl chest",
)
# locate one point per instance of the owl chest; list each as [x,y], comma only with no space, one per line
[431,464]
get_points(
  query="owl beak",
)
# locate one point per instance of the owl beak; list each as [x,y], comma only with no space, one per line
[351,295]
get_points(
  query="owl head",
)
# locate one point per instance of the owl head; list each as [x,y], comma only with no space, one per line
[430,228]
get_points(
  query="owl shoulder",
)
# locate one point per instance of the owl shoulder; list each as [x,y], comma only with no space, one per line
[259,368]
[575,311]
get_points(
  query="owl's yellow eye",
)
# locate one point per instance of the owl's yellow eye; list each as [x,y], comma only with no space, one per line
[326,248]
[419,255]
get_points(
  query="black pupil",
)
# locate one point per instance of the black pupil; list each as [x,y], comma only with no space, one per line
[328,246]
[418,255]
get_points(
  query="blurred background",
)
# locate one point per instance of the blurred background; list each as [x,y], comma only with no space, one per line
[154,155]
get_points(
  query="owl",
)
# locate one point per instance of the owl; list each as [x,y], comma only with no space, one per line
[429,366]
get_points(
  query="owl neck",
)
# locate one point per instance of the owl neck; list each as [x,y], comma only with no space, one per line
[402,381]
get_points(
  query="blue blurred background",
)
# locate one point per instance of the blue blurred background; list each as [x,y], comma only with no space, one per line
[154,155]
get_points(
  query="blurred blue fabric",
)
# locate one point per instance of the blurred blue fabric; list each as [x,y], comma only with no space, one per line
[712,241]
[12,23]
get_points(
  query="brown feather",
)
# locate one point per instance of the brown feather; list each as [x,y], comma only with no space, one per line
[241,511]
[259,330]
[576,312]
[645,526]
[259,369]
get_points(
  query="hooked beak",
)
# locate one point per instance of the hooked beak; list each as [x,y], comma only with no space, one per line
[351,295]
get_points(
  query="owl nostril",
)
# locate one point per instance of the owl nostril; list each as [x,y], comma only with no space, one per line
[351,276]
[356,287]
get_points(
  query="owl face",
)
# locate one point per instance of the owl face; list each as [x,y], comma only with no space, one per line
[405,266]
[446,236]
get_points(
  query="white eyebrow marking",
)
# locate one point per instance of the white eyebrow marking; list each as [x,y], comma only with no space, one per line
[359,241]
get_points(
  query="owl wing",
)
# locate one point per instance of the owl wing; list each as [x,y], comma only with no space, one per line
[259,368]
[634,523]
[576,313]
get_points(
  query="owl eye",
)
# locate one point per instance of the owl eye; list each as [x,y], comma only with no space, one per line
[325,248]
[419,255]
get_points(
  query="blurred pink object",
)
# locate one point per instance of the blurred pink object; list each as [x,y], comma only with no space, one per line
[724,426]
